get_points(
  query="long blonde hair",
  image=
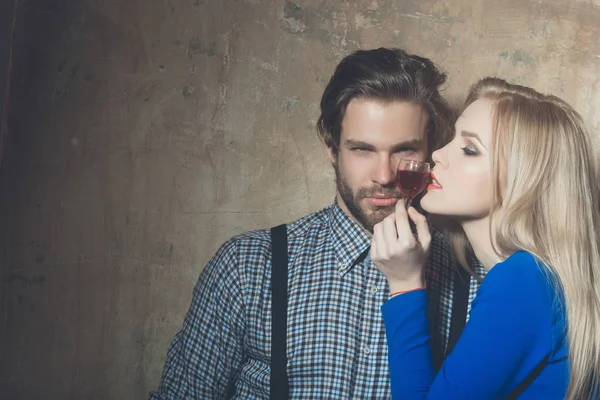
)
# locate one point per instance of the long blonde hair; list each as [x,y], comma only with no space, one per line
[547,185]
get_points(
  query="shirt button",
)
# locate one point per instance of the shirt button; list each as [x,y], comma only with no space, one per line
[374,289]
[366,350]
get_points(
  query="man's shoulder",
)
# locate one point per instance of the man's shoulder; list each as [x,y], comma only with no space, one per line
[296,230]
[439,239]
[251,251]
[443,256]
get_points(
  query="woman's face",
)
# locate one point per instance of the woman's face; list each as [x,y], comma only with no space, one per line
[462,178]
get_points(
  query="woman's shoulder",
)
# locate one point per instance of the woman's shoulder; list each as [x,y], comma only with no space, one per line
[520,277]
[524,283]
[521,266]
[522,259]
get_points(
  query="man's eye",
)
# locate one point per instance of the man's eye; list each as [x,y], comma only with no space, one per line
[360,149]
[469,150]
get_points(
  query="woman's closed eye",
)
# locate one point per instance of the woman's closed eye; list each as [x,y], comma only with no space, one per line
[470,150]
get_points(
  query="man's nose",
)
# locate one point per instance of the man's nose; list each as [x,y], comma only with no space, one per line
[385,172]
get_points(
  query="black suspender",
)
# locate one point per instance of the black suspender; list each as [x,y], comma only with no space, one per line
[525,384]
[279,268]
[279,277]
[460,302]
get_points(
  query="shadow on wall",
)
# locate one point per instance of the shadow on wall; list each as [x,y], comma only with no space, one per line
[19,57]
[7,23]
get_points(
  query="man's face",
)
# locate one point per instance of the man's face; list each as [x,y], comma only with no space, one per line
[375,136]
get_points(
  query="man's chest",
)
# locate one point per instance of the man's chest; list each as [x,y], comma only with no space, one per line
[336,345]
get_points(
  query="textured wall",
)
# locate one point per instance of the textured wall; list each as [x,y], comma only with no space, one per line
[144,133]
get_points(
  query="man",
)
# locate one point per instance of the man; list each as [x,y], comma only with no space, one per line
[380,106]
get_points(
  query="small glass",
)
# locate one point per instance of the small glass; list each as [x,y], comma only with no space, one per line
[412,178]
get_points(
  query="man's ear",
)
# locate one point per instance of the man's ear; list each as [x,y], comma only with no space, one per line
[332,153]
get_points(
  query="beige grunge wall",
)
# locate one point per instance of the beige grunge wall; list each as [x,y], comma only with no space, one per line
[145,133]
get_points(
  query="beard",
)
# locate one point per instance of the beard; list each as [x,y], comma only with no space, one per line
[367,216]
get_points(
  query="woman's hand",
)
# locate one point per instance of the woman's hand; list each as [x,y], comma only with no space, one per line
[397,253]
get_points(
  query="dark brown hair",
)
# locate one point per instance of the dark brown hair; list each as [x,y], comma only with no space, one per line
[386,75]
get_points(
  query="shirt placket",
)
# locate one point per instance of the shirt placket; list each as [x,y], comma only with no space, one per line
[372,349]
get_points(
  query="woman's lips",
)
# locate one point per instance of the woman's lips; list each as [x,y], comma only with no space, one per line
[433,183]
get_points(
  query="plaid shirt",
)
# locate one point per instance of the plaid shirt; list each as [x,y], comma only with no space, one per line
[336,344]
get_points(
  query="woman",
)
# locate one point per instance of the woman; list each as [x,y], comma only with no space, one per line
[520,179]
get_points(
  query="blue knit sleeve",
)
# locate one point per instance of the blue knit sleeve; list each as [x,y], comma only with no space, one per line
[510,331]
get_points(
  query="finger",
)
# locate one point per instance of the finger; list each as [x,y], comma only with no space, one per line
[389,232]
[402,226]
[377,243]
[373,249]
[423,233]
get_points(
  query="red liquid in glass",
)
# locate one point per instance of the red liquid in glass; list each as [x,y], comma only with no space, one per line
[411,183]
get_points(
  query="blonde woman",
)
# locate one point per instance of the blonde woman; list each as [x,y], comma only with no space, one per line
[520,178]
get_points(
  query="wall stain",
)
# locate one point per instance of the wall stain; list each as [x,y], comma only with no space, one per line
[191,68]
[187,91]
[291,102]
[293,21]
[40,257]
[78,31]
[518,57]
[541,32]
[88,78]
[22,277]
[74,69]
[196,48]
[61,66]
[291,8]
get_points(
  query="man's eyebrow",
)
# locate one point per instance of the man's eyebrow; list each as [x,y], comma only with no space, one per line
[409,144]
[357,143]
[474,136]
[414,143]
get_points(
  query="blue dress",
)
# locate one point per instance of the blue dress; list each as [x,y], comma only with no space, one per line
[516,321]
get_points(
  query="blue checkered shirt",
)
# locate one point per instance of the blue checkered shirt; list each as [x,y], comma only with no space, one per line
[336,344]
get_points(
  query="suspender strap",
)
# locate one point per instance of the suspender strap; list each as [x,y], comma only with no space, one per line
[460,301]
[279,297]
[525,384]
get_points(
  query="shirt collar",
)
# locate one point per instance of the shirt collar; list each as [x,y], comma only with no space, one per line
[349,239]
